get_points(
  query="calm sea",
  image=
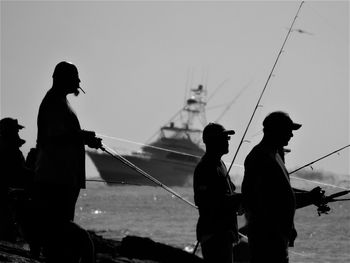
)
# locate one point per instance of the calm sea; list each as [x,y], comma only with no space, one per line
[117,211]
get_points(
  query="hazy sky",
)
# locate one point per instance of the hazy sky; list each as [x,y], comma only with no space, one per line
[136,59]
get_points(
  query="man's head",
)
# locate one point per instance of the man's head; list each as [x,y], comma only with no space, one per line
[216,138]
[66,77]
[9,129]
[279,126]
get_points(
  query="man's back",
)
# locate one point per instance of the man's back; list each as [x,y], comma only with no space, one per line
[213,197]
[268,197]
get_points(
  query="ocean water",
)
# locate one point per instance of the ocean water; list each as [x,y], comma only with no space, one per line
[117,211]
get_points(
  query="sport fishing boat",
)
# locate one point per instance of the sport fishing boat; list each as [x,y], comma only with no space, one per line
[171,157]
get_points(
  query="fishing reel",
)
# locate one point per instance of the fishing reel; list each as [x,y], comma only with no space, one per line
[322,205]
[323,209]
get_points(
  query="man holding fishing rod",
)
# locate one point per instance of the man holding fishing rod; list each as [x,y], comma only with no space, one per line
[214,195]
[60,169]
[269,200]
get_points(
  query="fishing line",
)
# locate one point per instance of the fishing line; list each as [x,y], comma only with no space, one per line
[217,89]
[267,81]
[315,182]
[147,145]
[302,254]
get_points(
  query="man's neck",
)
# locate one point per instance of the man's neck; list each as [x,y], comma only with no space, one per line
[59,91]
[270,143]
[214,155]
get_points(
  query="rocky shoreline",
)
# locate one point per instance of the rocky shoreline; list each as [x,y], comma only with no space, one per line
[131,249]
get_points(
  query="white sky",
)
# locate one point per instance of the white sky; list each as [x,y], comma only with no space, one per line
[135,59]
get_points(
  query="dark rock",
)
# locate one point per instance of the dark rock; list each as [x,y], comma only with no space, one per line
[145,248]
[131,249]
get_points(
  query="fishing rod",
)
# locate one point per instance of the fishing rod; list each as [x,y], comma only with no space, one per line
[263,91]
[310,163]
[330,198]
[149,177]
[319,159]
[110,182]
[342,199]
[143,173]
[322,207]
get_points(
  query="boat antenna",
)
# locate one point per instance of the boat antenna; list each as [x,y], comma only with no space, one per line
[187,87]
[267,81]
[119,157]
[205,78]
[232,102]
[217,89]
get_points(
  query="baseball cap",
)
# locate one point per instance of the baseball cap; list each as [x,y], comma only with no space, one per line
[214,130]
[280,120]
[9,125]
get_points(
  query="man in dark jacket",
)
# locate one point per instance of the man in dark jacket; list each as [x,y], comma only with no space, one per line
[60,164]
[16,178]
[215,197]
[16,220]
[269,199]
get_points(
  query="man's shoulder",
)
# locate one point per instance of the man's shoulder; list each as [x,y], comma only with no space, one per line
[50,96]
[206,162]
[51,103]
[255,152]
[258,154]
[200,166]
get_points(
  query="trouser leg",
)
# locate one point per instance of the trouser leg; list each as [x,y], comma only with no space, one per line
[268,248]
[218,249]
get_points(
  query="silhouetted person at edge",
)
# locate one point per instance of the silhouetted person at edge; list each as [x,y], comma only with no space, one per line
[16,181]
[269,200]
[215,197]
[60,170]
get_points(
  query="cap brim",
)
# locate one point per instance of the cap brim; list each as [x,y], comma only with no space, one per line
[296,126]
[229,132]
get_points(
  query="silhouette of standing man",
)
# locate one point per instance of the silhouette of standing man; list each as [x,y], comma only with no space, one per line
[214,195]
[15,178]
[60,165]
[269,200]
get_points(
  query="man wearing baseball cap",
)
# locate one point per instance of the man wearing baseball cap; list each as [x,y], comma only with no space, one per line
[14,175]
[269,200]
[215,197]
[9,129]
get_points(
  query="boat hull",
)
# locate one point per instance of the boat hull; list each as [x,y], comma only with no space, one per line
[168,172]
